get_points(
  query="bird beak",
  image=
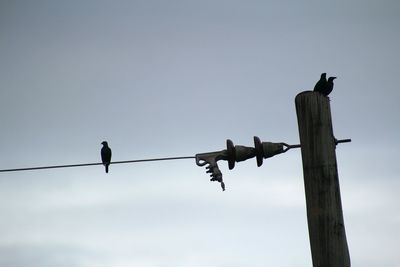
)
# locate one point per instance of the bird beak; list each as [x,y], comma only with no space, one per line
[334,77]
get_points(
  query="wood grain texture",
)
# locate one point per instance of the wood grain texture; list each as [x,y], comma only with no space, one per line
[324,208]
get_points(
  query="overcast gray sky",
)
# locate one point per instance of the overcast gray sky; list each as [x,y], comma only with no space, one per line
[176,78]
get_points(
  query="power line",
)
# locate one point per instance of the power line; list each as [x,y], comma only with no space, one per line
[214,154]
[93,164]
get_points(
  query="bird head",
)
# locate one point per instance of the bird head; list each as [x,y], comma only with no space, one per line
[330,79]
[104,143]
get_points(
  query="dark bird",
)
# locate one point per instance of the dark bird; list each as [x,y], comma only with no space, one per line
[106,155]
[329,86]
[320,86]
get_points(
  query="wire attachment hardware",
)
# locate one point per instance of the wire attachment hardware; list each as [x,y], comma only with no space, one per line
[238,153]
[233,154]
[210,159]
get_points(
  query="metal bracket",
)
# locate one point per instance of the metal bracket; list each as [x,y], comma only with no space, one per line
[233,154]
[210,159]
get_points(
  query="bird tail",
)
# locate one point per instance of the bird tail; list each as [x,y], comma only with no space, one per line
[106,168]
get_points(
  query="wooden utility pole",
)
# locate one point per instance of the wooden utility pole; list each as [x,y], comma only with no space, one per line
[324,208]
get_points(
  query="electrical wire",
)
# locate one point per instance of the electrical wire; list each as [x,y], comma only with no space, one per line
[138,160]
[93,164]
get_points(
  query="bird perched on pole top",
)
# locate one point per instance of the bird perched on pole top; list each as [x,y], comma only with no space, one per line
[329,86]
[321,84]
[106,155]
[324,86]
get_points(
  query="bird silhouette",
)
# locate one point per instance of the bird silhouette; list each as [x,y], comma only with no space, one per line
[106,155]
[320,86]
[329,86]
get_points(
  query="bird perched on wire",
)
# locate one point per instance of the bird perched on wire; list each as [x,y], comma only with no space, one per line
[320,86]
[106,155]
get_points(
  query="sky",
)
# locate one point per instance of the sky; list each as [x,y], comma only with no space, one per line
[176,78]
